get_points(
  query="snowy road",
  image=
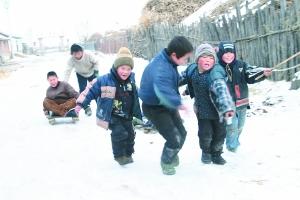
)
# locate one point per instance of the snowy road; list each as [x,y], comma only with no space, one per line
[74,161]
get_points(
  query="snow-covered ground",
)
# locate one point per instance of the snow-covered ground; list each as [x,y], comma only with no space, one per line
[74,161]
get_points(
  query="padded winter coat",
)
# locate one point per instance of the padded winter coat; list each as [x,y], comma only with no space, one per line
[160,82]
[104,91]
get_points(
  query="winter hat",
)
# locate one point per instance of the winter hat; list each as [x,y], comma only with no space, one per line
[205,49]
[225,47]
[124,57]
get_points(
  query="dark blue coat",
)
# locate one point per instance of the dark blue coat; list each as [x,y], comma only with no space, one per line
[239,75]
[104,91]
[160,81]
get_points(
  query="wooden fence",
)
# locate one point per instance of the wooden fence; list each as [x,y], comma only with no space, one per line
[263,38]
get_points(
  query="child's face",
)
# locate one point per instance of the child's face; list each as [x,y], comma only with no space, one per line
[53,81]
[77,55]
[205,62]
[124,72]
[182,60]
[228,57]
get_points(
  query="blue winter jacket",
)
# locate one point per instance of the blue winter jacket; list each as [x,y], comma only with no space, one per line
[104,90]
[160,82]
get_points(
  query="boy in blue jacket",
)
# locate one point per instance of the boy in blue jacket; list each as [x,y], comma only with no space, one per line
[117,104]
[239,75]
[161,98]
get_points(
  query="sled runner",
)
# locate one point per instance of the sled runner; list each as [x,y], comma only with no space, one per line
[61,120]
[70,117]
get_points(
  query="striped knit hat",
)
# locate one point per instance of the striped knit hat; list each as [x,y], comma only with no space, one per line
[225,47]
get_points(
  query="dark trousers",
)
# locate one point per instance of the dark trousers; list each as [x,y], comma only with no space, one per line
[82,81]
[122,136]
[169,124]
[211,135]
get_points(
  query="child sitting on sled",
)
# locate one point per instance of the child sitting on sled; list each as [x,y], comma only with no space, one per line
[60,98]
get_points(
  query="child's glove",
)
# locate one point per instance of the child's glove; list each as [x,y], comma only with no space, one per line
[77,109]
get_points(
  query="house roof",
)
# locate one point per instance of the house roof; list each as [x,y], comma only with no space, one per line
[3,37]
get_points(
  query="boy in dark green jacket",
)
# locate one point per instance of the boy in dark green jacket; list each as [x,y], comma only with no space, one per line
[213,103]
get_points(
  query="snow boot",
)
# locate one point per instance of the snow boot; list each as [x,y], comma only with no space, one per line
[124,160]
[233,150]
[128,159]
[175,162]
[218,159]
[71,113]
[88,111]
[121,160]
[206,158]
[167,169]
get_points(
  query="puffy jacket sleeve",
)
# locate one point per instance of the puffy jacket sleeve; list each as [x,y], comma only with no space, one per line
[164,88]
[92,91]
[254,74]
[217,72]
[221,97]
[186,80]
[220,94]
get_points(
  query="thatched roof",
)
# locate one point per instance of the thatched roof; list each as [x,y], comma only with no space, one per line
[172,11]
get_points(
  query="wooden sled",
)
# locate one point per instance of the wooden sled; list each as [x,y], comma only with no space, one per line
[62,120]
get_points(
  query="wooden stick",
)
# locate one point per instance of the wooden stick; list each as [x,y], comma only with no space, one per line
[293,56]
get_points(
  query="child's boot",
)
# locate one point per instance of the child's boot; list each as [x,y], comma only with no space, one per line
[218,159]
[167,169]
[206,158]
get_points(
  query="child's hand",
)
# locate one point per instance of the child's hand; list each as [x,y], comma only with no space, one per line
[228,117]
[267,72]
[184,108]
[77,109]
[229,114]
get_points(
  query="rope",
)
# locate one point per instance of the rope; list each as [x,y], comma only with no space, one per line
[282,70]
[291,57]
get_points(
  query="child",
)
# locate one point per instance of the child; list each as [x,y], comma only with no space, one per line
[161,98]
[60,97]
[86,68]
[239,74]
[117,104]
[212,103]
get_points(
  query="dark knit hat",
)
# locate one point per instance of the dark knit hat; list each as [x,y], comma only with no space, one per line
[124,57]
[205,49]
[225,47]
